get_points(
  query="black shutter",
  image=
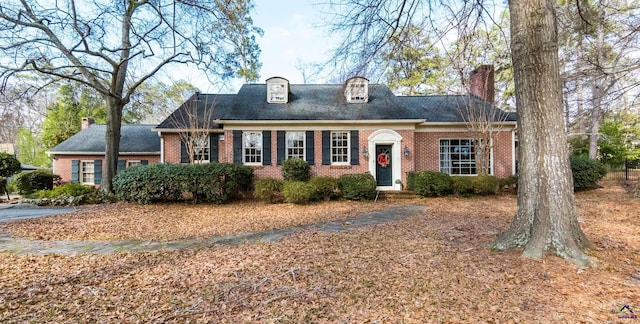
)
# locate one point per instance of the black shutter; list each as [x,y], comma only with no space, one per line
[326,147]
[75,171]
[266,147]
[309,147]
[97,171]
[355,144]
[237,147]
[280,146]
[121,165]
[144,162]
[213,148]
[184,155]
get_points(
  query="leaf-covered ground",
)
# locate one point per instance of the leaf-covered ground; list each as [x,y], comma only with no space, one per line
[433,267]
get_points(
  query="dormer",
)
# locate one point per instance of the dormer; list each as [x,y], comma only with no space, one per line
[277,90]
[356,90]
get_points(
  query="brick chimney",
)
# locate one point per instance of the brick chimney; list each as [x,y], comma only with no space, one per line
[482,83]
[86,122]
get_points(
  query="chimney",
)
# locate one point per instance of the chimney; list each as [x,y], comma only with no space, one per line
[481,83]
[86,122]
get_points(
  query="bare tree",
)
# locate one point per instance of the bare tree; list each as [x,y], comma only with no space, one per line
[546,220]
[113,47]
[483,119]
[195,119]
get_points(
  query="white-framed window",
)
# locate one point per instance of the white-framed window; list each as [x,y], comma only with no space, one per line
[357,90]
[201,147]
[86,174]
[132,163]
[339,147]
[252,148]
[458,156]
[277,92]
[295,145]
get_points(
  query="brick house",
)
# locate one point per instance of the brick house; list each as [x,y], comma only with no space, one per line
[355,127]
[80,158]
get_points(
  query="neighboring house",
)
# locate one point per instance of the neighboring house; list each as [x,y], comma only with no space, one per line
[355,127]
[80,158]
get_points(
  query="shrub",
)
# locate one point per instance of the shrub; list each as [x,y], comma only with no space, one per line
[430,183]
[411,180]
[298,192]
[462,185]
[65,191]
[586,172]
[213,182]
[485,184]
[357,186]
[30,181]
[269,189]
[295,169]
[509,183]
[9,165]
[326,187]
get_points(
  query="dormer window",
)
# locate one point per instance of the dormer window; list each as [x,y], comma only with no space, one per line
[357,90]
[277,90]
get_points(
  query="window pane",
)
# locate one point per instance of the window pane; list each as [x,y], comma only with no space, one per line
[339,147]
[252,147]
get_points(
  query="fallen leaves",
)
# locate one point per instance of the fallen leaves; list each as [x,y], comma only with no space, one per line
[433,267]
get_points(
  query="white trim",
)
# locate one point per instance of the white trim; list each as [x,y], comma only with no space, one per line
[386,137]
[161,148]
[319,123]
[101,153]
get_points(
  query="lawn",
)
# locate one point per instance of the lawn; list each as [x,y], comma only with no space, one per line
[433,267]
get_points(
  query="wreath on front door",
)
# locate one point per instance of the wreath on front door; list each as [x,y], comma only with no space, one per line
[383,159]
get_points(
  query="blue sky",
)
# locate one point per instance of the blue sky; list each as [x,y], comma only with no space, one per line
[292,36]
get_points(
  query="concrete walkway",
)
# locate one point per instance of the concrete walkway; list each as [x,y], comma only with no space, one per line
[17,245]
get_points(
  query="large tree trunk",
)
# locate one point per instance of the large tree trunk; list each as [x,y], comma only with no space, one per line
[546,219]
[112,143]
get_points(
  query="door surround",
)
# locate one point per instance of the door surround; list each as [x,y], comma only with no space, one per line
[386,137]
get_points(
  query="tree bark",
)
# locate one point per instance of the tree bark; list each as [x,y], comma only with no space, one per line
[546,219]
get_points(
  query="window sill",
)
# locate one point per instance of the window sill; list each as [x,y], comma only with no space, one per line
[341,167]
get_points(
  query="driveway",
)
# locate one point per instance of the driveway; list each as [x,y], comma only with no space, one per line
[13,212]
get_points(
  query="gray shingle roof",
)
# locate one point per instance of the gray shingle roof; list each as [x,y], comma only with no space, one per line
[133,139]
[327,102]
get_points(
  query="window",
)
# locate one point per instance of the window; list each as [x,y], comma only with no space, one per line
[201,149]
[295,145]
[86,173]
[339,147]
[132,163]
[357,90]
[252,147]
[277,93]
[457,156]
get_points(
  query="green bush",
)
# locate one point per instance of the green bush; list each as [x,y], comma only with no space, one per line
[357,186]
[9,165]
[30,181]
[411,181]
[269,190]
[326,187]
[509,184]
[298,192]
[586,172]
[65,191]
[485,184]
[462,185]
[212,182]
[430,184]
[295,169]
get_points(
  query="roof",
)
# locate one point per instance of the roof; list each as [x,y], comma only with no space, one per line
[322,102]
[91,140]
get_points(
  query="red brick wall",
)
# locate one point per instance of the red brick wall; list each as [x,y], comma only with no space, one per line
[428,154]
[62,163]
[423,147]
